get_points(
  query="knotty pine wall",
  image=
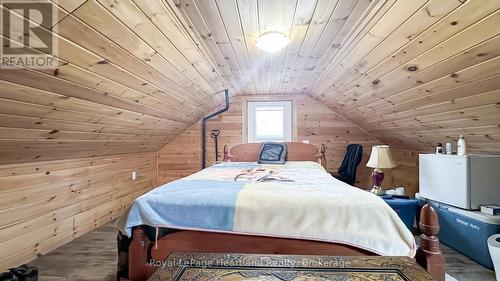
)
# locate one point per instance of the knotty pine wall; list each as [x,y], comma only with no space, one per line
[44,205]
[412,73]
[423,79]
[314,122]
[128,81]
[406,173]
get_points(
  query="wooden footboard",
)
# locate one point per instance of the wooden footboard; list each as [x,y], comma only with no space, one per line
[429,254]
[142,250]
[139,267]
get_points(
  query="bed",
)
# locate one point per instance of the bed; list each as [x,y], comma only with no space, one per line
[239,206]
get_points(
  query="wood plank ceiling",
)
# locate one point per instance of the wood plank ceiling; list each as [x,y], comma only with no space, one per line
[129,79]
[133,74]
[411,72]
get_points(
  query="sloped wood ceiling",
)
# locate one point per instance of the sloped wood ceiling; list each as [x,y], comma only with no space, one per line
[133,74]
[130,78]
[411,72]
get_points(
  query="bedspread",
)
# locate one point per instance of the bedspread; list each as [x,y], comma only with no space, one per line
[296,200]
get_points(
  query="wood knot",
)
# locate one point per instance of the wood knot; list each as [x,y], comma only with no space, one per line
[412,68]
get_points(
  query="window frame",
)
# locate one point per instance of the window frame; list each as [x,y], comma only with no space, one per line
[250,123]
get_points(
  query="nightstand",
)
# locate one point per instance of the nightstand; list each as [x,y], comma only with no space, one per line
[405,208]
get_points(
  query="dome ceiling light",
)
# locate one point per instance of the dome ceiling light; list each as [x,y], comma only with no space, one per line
[272,41]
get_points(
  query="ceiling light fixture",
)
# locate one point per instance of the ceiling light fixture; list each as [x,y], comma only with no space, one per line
[272,41]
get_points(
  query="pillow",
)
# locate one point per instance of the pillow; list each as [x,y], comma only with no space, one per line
[272,153]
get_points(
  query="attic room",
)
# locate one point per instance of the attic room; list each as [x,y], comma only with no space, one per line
[250,140]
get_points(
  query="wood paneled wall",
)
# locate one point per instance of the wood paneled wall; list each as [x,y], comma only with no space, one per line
[424,73]
[137,73]
[406,173]
[313,122]
[129,79]
[412,73]
[44,205]
[134,75]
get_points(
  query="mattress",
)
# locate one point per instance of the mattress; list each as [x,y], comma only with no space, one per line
[298,199]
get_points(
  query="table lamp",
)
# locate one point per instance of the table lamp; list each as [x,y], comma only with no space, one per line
[380,158]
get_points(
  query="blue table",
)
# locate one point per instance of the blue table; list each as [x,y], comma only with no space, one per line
[405,208]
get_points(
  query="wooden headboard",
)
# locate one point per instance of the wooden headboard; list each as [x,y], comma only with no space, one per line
[297,151]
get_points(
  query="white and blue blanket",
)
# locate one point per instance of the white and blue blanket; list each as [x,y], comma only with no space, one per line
[295,200]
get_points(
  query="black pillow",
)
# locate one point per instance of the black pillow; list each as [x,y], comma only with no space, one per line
[272,153]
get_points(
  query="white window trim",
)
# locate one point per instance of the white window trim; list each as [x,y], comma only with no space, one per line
[250,118]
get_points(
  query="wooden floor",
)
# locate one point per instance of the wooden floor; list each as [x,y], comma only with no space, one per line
[90,257]
[93,257]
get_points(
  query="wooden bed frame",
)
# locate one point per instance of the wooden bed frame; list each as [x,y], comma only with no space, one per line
[142,250]
[297,151]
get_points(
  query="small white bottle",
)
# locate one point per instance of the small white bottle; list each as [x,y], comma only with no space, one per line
[448,149]
[461,146]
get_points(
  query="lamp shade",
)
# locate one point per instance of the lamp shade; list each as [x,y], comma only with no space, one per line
[381,158]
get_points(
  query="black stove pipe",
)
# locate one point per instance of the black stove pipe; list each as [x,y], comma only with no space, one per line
[204,128]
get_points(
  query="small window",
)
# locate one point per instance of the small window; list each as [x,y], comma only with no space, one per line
[269,121]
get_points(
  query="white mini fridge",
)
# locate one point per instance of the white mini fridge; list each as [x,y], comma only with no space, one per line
[466,181]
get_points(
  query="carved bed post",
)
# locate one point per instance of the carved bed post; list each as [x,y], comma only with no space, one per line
[429,254]
[226,154]
[138,255]
[322,158]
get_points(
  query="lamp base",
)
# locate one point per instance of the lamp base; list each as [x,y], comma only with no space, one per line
[377,190]
[377,177]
